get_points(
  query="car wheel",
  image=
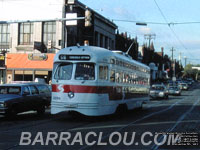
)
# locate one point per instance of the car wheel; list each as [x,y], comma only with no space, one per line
[41,110]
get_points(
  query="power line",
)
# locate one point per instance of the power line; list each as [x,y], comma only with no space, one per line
[178,39]
[161,11]
[158,23]
[193,59]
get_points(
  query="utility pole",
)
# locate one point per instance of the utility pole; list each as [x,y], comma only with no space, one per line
[173,61]
[172,53]
[163,65]
[185,60]
[149,37]
[180,57]
[63,24]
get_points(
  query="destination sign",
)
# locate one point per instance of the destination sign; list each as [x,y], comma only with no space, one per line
[74,57]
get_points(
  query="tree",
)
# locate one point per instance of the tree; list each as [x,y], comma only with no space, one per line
[189,72]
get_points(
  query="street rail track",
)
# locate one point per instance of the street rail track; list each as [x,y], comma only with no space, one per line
[148,116]
[107,135]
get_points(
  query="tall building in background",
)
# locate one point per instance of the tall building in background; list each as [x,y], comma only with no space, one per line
[27,48]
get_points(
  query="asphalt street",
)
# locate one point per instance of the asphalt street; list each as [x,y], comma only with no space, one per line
[152,127]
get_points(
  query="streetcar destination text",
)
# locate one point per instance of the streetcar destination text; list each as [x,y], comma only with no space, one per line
[74,57]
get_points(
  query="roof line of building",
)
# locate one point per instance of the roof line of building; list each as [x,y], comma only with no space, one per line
[99,16]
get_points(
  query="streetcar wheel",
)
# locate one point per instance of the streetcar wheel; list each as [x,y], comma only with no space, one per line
[121,109]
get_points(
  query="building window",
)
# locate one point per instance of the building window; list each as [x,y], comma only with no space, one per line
[26,33]
[96,38]
[4,36]
[106,42]
[49,35]
[101,40]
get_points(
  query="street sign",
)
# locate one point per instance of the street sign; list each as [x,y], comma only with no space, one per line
[173,79]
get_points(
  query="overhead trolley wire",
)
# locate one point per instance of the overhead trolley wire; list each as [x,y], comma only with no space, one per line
[169,25]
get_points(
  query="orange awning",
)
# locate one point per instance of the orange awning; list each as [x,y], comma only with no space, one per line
[21,61]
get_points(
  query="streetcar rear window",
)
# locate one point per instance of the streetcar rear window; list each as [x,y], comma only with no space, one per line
[64,71]
[85,71]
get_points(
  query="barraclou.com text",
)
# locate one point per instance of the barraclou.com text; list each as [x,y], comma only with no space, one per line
[93,138]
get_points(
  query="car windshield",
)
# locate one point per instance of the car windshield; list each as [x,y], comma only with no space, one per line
[63,71]
[10,90]
[157,88]
[85,71]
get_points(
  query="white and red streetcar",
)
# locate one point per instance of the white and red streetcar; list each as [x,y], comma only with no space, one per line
[95,81]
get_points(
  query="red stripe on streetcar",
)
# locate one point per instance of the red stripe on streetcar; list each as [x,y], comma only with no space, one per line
[80,89]
[114,92]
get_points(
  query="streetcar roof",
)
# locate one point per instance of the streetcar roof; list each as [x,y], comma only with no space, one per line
[97,54]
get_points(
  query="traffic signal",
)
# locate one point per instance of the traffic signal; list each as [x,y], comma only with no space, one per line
[88,18]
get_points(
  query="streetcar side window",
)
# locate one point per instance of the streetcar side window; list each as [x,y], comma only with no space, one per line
[103,72]
[117,77]
[112,75]
[85,71]
[64,71]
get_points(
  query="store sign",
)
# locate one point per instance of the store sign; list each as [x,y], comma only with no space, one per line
[2,61]
[71,16]
[37,57]
[2,57]
[70,1]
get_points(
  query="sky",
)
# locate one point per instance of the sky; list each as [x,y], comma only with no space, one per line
[185,38]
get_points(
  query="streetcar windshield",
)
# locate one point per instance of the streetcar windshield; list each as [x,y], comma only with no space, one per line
[85,71]
[64,71]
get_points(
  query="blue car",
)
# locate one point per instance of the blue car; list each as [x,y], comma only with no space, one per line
[17,98]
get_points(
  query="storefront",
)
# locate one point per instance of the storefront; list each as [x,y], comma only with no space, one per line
[28,67]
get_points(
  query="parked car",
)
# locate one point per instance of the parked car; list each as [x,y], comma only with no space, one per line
[158,91]
[174,90]
[22,97]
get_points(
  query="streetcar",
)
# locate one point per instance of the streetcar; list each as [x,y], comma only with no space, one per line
[95,81]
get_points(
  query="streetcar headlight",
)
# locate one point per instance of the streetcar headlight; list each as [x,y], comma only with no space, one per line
[71,94]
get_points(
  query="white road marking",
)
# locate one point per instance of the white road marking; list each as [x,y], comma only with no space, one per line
[139,124]
[145,117]
[155,147]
